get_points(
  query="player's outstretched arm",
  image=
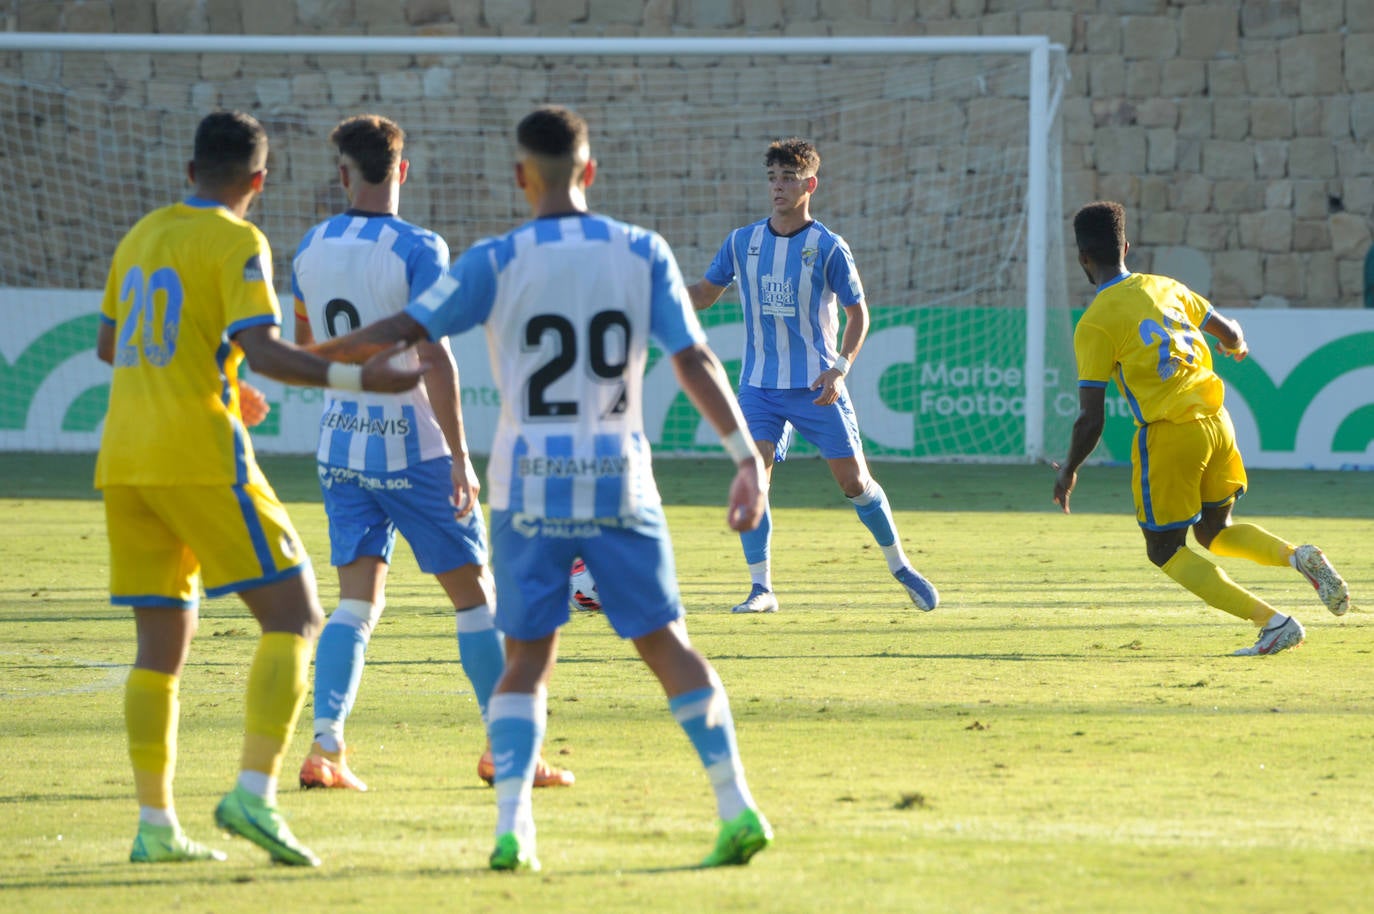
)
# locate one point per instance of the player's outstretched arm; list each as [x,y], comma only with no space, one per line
[1228,334]
[268,354]
[702,376]
[704,294]
[365,342]
[1087,431]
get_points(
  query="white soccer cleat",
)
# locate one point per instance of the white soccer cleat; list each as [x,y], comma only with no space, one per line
[1273,640]
[921,591]
[1330,586]
[760,600]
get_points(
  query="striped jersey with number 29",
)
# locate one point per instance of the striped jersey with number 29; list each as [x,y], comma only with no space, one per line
[569,303]
[351,270]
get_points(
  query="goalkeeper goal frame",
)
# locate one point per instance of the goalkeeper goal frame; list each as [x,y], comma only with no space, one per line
[1041,100]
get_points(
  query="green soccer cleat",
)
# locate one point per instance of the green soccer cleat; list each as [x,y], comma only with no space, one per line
[509,855]
[165,844]
[740,839]
[248,816]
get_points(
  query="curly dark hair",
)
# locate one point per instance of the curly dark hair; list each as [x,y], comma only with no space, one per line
[1100,230]
[795,153]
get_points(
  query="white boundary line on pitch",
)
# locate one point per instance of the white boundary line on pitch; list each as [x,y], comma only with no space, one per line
[113,678]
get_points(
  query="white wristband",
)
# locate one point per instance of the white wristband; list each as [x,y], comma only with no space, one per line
[841,364]
[344,377]
[738,446]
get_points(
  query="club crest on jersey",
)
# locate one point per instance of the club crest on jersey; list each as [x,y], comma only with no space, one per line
[808,256]
[253,271]
[777,297]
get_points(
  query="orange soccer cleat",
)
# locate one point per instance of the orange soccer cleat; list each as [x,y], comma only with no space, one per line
[545,775]
[328,769]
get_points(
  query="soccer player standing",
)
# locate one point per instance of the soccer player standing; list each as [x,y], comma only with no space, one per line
[189,296]
[1145,333]
[569,301]
[389,461]
[792,271]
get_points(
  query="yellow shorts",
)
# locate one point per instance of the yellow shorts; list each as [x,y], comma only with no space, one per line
[1179,469]
[165,539]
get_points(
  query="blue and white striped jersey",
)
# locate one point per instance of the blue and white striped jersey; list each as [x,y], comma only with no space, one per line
[354,269]
[569,303]
[788,288]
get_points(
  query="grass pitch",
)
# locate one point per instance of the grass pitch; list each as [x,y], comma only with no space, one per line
[1067,732]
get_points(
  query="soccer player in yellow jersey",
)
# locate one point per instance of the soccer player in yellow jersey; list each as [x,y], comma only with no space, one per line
[1145,333]
[189,296]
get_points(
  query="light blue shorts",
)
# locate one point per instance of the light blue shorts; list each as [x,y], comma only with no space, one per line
[366,509]
[772,413]
[631,561]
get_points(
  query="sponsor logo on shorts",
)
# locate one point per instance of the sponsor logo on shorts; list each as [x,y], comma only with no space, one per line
[347,476]
[531,525]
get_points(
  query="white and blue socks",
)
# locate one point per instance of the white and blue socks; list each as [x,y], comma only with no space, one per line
[756,550]
[517,721]
[481,652]
[339,668]
[873,509]
[704,715]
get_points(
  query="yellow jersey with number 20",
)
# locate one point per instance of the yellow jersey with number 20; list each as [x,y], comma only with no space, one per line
[1144,332]
[184,280]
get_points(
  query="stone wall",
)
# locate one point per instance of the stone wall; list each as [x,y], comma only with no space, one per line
[1240,133]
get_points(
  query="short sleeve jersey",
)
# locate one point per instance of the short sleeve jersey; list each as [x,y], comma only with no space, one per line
[349,271]
[1144,332]
[184,280]
[789,286]
[569,304]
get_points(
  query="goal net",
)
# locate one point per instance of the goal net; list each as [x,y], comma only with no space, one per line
[939,166]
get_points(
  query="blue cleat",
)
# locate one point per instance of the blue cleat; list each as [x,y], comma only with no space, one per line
[921,591]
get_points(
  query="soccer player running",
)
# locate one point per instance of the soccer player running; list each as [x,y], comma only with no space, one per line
[791,271]
[189,296]
[389,461]
[569,301]
[1142,331]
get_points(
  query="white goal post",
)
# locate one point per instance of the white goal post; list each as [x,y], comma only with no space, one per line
[940,166]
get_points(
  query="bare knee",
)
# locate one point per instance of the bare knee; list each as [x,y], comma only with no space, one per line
[1212,522]
[290,605]
[670,655]
[468,586]
[1161,545]
[851,474]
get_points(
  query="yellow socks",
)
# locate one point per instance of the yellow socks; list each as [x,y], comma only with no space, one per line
[1214,586]
[276,691]
[1249,541]
[150,718]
